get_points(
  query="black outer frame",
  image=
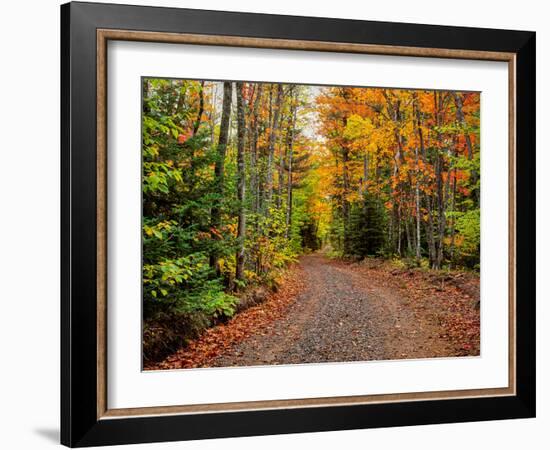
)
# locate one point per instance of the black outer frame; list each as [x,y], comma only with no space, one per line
[79,423]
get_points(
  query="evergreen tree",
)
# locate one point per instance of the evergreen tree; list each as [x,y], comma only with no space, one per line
[367,225]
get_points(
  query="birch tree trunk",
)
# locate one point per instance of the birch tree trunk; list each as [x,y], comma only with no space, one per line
[438,106]
[430,232]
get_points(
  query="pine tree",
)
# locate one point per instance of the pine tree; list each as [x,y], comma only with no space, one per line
[367,227]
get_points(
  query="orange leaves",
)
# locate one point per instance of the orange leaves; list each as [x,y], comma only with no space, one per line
[202,235]
[398,144]
[216,233]
[230,228]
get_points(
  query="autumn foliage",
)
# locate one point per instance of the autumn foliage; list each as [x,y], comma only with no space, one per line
[240,178]
[410,156]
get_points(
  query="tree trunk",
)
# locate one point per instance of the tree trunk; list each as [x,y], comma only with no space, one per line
[439,169]
[399,229]
[254,149]
[417,188]
[215,217]
[241,228]
[452,224]
[274,131]
[197,123]
[365,177]
[145,95]
[291,130]
[181,100]
[459,103]
[440,212]
[417,206]
[430,233]
[345,202]
[460,117]
[280,172]
[408,234]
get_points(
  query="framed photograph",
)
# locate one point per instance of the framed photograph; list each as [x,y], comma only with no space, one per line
[276,224]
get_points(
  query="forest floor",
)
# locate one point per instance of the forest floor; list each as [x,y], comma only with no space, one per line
[331,310]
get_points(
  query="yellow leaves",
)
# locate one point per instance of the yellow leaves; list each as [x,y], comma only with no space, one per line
[251,276]
[230,228]
[352,196]
[153,149]
[391,140]
[160,229]
[358,127]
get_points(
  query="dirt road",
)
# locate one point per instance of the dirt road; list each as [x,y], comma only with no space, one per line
[340,316]
[333,311]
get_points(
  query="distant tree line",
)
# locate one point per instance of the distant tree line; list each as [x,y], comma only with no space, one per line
[404,176]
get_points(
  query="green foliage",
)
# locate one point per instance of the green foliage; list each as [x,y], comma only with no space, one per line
[179,190]
[468,238]
[309,236]
[217,303]
[269,247]
[183,285]
[336,235]
[367,228]
[177,194]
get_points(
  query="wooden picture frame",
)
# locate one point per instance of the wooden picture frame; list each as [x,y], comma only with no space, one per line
[85,417]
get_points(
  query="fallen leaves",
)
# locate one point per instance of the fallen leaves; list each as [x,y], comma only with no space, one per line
[221,338]
[416,314]
[448,302]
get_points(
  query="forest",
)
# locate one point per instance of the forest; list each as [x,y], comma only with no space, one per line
[242,178]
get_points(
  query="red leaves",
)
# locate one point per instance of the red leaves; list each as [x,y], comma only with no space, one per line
[216,233]
[183,137]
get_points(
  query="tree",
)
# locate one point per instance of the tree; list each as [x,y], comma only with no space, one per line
[416,151]
[273,134]
[290,158]
[219,168]
[241,228]
[367,228]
